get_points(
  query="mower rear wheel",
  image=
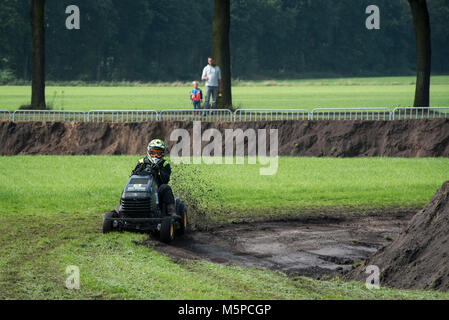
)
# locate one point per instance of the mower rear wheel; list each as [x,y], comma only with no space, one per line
[167,233]
[108,224]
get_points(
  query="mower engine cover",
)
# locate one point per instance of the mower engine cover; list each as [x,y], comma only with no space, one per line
[139,198]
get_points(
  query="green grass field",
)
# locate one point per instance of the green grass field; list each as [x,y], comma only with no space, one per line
[52,206]
[93,184]
[289,94]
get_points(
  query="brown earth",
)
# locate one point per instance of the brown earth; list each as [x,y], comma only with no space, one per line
[312,246]
[408,138]
[419,257]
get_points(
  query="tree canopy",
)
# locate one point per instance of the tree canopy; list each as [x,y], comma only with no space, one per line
[148,40]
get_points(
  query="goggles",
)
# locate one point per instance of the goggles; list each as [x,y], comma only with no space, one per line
[156,153]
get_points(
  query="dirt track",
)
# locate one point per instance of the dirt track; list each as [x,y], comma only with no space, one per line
[311,247]
[411,138]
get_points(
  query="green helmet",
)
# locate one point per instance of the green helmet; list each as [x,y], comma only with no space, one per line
[156,144]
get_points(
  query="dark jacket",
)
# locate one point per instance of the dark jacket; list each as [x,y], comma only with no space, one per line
[161,171]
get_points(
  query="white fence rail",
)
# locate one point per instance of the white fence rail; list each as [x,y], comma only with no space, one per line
[48,115]
[350,114]
[122,116]
[203,115]
[5,115]
[419,113]
[270,114]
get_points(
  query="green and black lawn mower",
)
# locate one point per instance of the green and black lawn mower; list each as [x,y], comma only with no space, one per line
[140,210]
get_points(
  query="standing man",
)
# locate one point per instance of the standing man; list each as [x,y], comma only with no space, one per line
[212,76]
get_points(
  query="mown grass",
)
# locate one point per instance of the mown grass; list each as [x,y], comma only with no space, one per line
[51,210]
[92,184]
[297,94]
[313,185]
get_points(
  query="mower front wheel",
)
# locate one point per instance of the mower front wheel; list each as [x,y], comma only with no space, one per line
[107,222]
[167,233]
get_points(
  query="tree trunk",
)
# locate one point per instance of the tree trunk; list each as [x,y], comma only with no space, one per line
[423,51]
[38,55]
[221,49]
[25,67]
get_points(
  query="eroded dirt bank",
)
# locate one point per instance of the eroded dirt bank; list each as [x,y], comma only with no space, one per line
[419,256]
[313,247]
[411,138]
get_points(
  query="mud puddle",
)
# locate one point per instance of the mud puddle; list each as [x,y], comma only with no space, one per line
[309,248]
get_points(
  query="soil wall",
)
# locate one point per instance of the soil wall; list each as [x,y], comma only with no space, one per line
[409,138]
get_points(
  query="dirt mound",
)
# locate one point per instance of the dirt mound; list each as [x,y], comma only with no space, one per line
[411,138]
[419,257]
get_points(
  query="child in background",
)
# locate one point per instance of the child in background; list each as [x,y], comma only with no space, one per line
[196,97]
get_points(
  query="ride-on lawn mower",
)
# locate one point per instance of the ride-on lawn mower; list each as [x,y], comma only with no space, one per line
[139,210]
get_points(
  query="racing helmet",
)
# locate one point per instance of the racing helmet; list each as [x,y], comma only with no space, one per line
[155,150]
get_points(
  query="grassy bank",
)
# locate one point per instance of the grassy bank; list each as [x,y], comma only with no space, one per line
[301,94]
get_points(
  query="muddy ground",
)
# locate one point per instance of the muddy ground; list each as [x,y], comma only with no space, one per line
[405,138]
[314,247]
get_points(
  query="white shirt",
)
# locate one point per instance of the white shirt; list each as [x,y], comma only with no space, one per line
[213,73]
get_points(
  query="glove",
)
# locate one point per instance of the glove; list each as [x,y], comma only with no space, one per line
[140,170]
[136,171]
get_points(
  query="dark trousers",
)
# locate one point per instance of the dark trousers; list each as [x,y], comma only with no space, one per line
[196,105]
[210,91]
[165,195]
